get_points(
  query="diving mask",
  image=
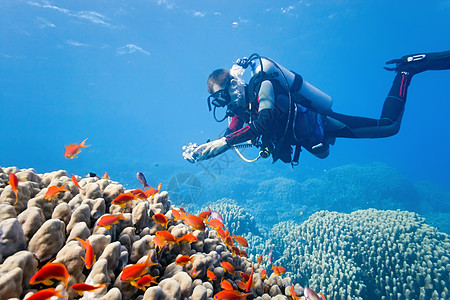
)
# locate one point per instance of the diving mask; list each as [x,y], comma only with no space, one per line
[221,98]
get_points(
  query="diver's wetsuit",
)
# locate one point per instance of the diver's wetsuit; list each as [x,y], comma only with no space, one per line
[269,119]
[394,105]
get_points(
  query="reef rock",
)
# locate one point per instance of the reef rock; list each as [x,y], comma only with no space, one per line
[48,240]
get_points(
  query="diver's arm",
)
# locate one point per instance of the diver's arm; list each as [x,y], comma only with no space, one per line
[264,120]
[235,124]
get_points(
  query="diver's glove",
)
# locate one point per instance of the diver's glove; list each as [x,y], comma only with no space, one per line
[206,151]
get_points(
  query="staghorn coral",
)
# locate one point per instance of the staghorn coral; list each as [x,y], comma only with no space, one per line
[235,216]
[367,254]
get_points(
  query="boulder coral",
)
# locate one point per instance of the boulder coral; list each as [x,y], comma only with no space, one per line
[37,231]
[367,254]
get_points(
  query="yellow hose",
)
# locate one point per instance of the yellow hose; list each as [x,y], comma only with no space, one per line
[239,153]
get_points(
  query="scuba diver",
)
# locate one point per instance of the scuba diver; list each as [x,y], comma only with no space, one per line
[277,109]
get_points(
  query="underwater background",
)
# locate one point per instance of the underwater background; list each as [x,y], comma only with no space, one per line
[131,77]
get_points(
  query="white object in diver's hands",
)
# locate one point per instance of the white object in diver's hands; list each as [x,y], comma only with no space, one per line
[188,152]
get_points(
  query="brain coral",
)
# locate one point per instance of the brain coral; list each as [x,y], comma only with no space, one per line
[367,254]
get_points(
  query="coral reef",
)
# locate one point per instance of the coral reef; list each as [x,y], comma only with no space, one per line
[367,254]
[38,230]
[235,216]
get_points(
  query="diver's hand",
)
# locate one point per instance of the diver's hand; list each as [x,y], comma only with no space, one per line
[209,150]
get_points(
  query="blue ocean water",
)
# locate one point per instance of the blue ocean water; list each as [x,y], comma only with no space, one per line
[130,76]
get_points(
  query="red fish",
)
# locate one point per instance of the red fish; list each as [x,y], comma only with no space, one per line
[183,260]
[205,215]
[243,253]
[136,271]
[177,215]
[144,282]
[89,257]
[159,241]
[228,241]
[167,236]
[210,274]
[123,199]
[226,285]
[228,267]
[14,182]
[83,287]
[74,180]
[74,149]
[53,191]
[161,219]
[250,281]
[278,270]
[46,294]
[108,220]
[50,272]
[263,274]
[195,222]
[139,194]
[221,233]
[235,250]
[189,237]
[260,259]
[150,192]
[293,295]
[230,295]
[241,240]
[241,285]
[215,223]
[245,277]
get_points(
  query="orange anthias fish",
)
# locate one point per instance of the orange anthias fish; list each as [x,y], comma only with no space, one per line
[195,222]
[205,214]
[74,180]
[241,240]
[161,219]
[46,294]
[144,282]
[139,194]
[226,285]
[245,277]
[235,250]
[215,223]
[108,220]
[83,287]
[228,267]
[74,149]
[263,274]
[243,253]
[14,182]
[260,259]
[293,294]
[230,295]
[228,241]
[136,271]
[53,191]
[189,237]
[241,285]
[177,215]
[152,192]
[89,257]
[183,260]
[278,270]
[167,236]
[105,176]
[50,271]
[123,199]
[159,241]
[210,274]
[250,281]
[221,233]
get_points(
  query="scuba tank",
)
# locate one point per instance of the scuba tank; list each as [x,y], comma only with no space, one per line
[310,96]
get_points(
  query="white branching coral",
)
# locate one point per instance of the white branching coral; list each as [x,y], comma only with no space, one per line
[368,254]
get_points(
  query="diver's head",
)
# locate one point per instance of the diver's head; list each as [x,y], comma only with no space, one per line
[225,90]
